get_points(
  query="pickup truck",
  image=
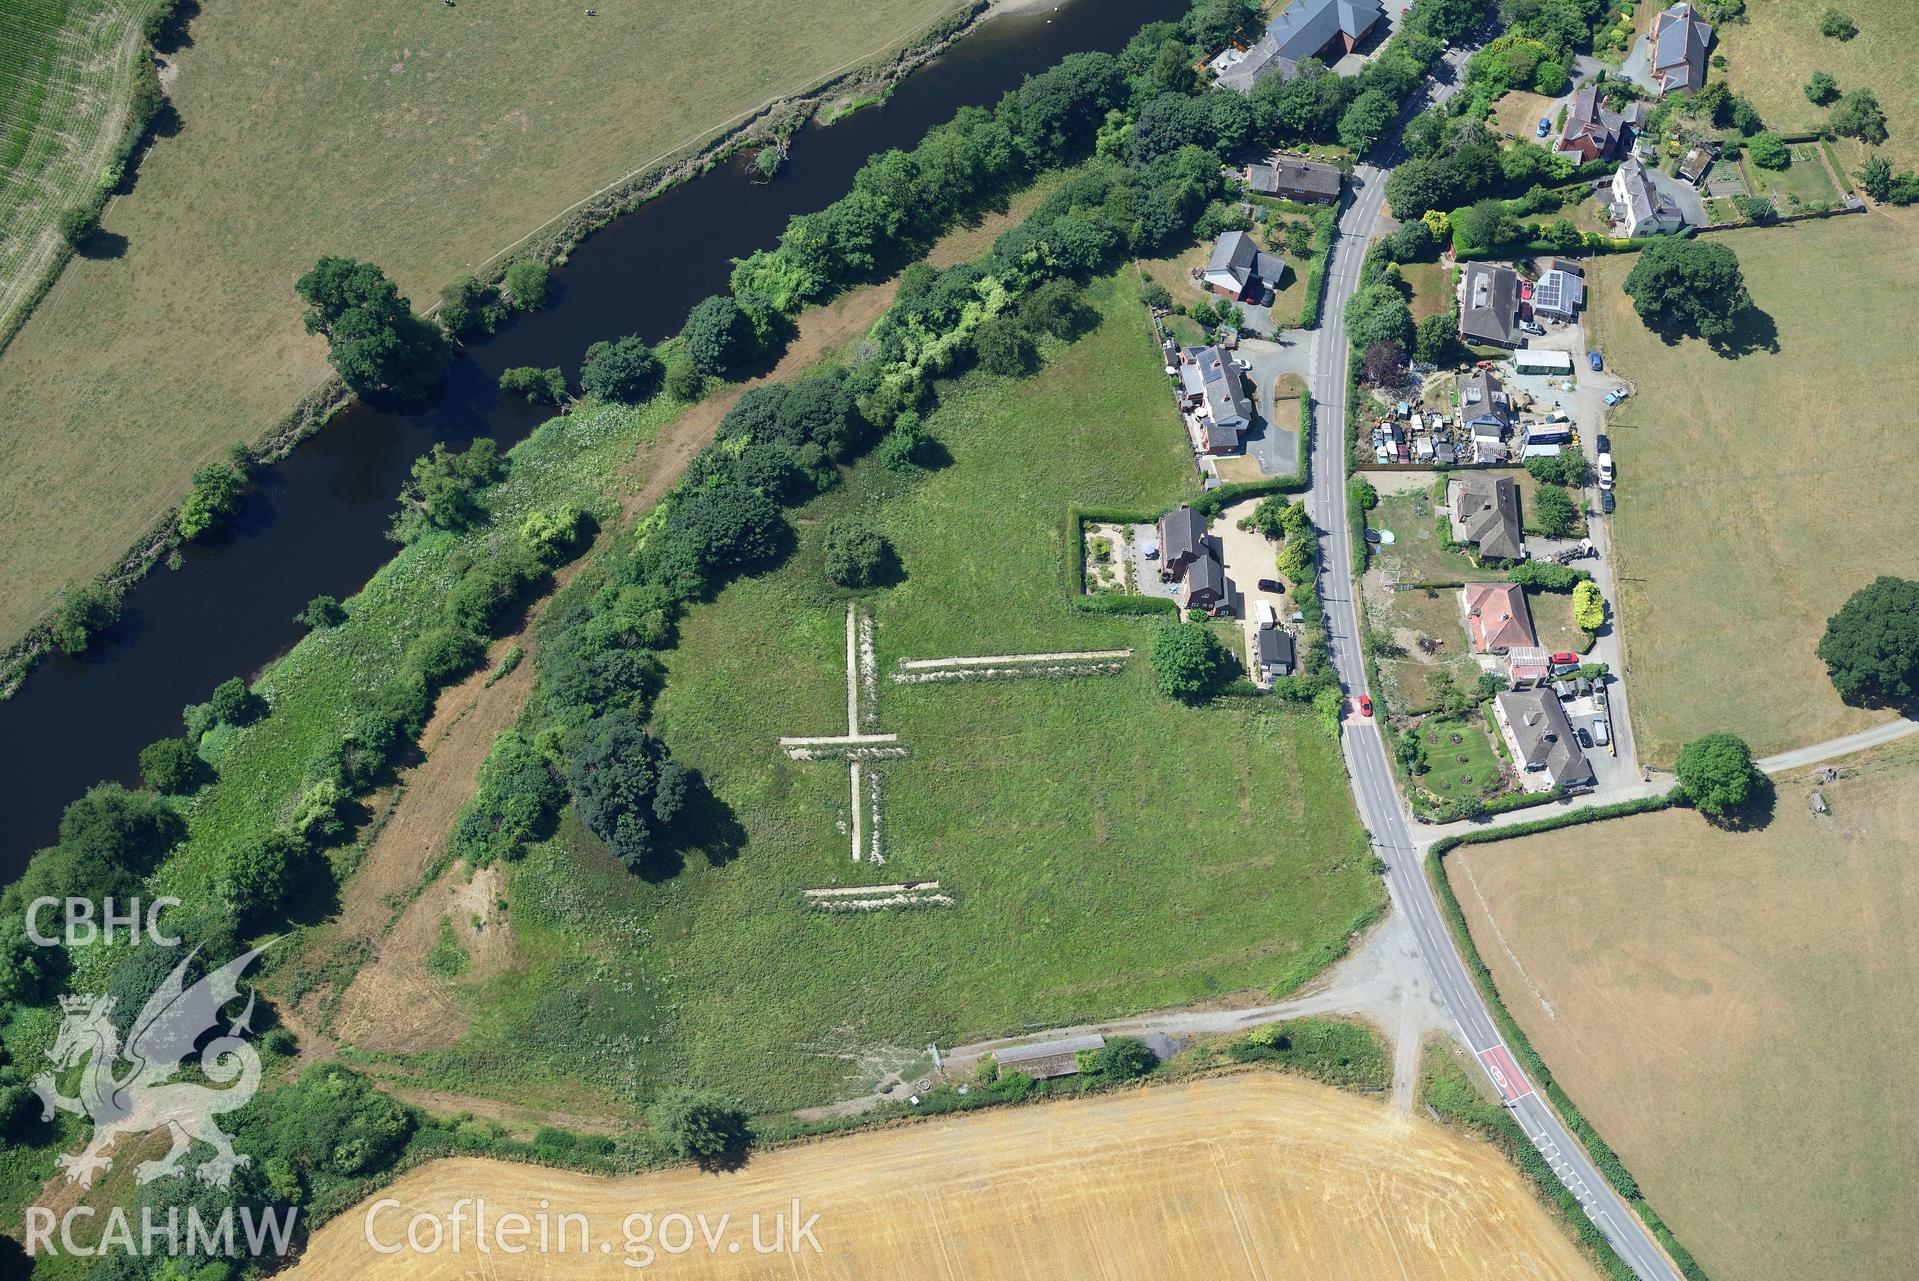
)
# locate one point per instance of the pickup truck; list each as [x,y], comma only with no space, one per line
[1616,395]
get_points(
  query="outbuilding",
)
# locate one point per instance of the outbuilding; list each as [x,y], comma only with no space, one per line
[1044,1059]
[1539,361]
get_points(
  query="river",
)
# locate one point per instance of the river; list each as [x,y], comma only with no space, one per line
[315,522]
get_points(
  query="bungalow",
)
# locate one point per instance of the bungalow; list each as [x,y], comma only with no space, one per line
[1045,1059]
[1324,29]
[1485,512]
[1239,269]
[1273,652]
[1497,618]
[1213,390]
[1489,304]
[1680,37]
[1639,206]
[1559,295]
[1485,403]
[1594,132]
[1541,738]
[1307,181]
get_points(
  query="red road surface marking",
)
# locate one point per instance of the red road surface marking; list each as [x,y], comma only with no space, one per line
[1505,1073]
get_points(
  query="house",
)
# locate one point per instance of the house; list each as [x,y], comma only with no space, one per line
[1295,178]
[1182,540]
[1541,738]
[1212,388]
[1485,512]
[1489,304]
[1485,407]
[1680,36]
[1559,295]
[1045,1059]
[1240,69]
[1205,585]
[1527,666]
[1593,131]
[1497,618]
[1239,269]
[1324,29]
[1273,652]
[1639,206]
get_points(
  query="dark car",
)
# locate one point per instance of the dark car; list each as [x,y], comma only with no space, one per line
[1605,444]
[1585,739]
[1606,501]
[1271,585]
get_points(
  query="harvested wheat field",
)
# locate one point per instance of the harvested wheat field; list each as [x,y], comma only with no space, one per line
[1248,1176]
[1733,1010]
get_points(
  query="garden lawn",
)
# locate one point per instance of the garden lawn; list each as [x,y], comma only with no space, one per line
[1801,186]
[423,137]
[1432,286]
[1774,50]
[1458,771]
[1416,555]
[1109,850]
[1728,1008]
[1756,494]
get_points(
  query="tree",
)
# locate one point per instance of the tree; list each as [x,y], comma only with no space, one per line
[718,338]
[170,766]
[373,338]
[1485,223]
[214,500]
[1875,175]
[1567,467]
[1871,646]
[1689,286]
[540,386]
[322,612]
[1858,115]
[1384,364]
[1589,607]
[526,284]
[729,526]
[78,224]
[1549,78]
[1554,513]
[233,703]
[696,1125]
[442,489]
[1419,185]
[1378,313]
[1743,116]
[1436,341]
[857,554]
[256,876]
[1188,661]
[1718,775]
[468,307]
[85,611]
[625,785]
[1768,151]
[1837,26]
[1123,1058]
[1821,89]
[1002,347]
[1365,119]
[625,370]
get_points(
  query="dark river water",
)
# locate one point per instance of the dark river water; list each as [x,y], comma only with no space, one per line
[315,522]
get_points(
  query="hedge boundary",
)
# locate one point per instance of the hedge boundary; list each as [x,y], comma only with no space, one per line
[1608,1162]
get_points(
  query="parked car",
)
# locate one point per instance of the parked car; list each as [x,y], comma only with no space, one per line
[1585,739]
[1604,442]
[1532,327]
[1605,469]
[1365,705]
[1606,501]
[1545,127]
[1564,662]
[1271,585]
[1601,735]
[1617,394]
[1592,358]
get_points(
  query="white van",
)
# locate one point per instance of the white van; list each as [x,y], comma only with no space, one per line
[1605,471]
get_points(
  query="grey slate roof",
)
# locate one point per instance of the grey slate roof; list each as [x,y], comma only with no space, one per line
[1182,536]
[1295,174]
[1206,574]
[1306,27]
[1261,60]
[1239,256]
[1543,737]
[1483,396]
[1275,649]
[1223,390]
[1588,118]
[1644,200]
[1488,303]
[1679,39]
[1486,512]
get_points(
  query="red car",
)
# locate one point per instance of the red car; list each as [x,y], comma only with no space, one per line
[1365,704]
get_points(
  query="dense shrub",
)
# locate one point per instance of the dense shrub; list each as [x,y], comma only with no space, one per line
[170,766]
[214,500]
[526,284]
[541,386]
[625,370]
[624,784]
[857,554]
[85,611]
[514,800]
[1188,661]
[442,490]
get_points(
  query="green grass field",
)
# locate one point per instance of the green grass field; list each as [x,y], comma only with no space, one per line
[423,137]
[1801,186]
[1774,51]
[1727,1008]
[65,74]
[1756,494]
[1109,850]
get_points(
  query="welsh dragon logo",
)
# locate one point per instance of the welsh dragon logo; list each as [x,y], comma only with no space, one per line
[129,1089]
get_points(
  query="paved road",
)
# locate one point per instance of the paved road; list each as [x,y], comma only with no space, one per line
[1372,774]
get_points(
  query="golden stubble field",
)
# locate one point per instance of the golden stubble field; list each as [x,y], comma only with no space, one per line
[1756,494]
[1733,1011]
[1255,1176]
[421,136]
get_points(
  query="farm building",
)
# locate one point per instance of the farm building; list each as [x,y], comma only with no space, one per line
[1239,269]
[1044,1059]
[1541,361]
[1497,618]
[1489,304]
[1295,178]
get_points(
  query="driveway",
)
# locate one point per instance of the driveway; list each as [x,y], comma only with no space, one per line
[1638,64]
[1248,557]
[1273,443]
[1683,194]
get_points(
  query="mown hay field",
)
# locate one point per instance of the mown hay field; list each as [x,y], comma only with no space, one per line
[1253,1176]
[1756,494]
[425,138]
[1109,850]
[1731,1010]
